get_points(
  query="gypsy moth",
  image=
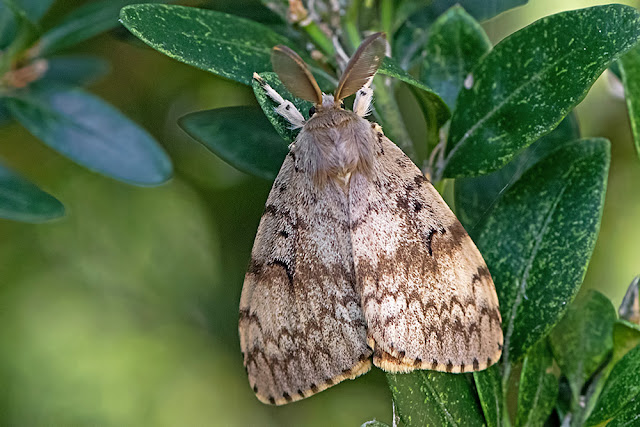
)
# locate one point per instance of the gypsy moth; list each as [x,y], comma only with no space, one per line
[357,255]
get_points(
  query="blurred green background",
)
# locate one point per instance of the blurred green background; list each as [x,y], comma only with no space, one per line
[125,311]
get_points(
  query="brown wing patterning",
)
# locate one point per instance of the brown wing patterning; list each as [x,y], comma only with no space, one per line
[427,296]
[301,325]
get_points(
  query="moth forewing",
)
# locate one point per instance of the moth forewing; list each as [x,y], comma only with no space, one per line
[357,255]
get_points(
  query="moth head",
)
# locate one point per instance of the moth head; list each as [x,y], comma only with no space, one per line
[297,78]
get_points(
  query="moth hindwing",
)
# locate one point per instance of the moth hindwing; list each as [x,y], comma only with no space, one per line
[357,255]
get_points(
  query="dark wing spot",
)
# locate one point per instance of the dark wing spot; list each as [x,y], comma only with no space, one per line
[283,233]
[417,362]
[314,388]
[255,388]
[287,397]
[449,366]
[401,354]
[476,364]
[272,400]
[287,107]
[488,361]
[434,364]
[419,179]
[417,206]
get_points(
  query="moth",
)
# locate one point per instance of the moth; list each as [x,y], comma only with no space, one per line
[356,254]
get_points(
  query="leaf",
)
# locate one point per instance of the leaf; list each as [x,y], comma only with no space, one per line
[417,16]
[20,200]
[538,389]
[630,71]
[626,335]
[621,388]
[225,45]
[475,197]
[489,386]
[374,423]
[81,24]
[630,307]
[629,416]
[241,136]
[434,398]
[92,133]
[75,70]
[280,124]
[33,10]
[584,338]
[455,45]
[530,81]
[431,104]
[540,236]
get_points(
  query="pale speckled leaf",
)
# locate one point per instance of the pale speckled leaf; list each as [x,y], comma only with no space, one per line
[241,136]
[280,124]
[455,45]
[433,107]
[629,416]
[630,71]
[530,81]
[538,389]
[583,338]
[489,387]
[223,44]
[21,200]
[429,398]
[620,389]
[540,236]
[475,197]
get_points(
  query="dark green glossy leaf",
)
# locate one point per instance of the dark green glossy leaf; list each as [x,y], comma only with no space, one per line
[475,197]
[81,24]
[412,35]
[429,398]
[626,335]
[432,105]
[92,133]
[540,236]
[620,389]
[583,338]
[241,136]
[629,416]
[630,71]
[630,307]
[489,386]
[455,45]
[75,70]
[279,123]
[538,389]
[223,44]
[530,81]
[20,200]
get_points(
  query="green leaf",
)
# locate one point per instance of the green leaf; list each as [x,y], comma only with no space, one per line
[538,389]
[429,398]
[280,124]
[92,133]
[584,338]
[530,81]
[33,11]
[489,386]
[475,197]
[75,70]
[629,416]
[626,335]
[223,44]
[630,71]
[455,45]
[540,236]
[433,107]
[241,136]
[20,200]
[621,388]
[412,35]
[81,24]
[630,306]
[374,423]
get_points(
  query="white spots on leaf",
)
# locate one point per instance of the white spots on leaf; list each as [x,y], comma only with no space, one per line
[468,81]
